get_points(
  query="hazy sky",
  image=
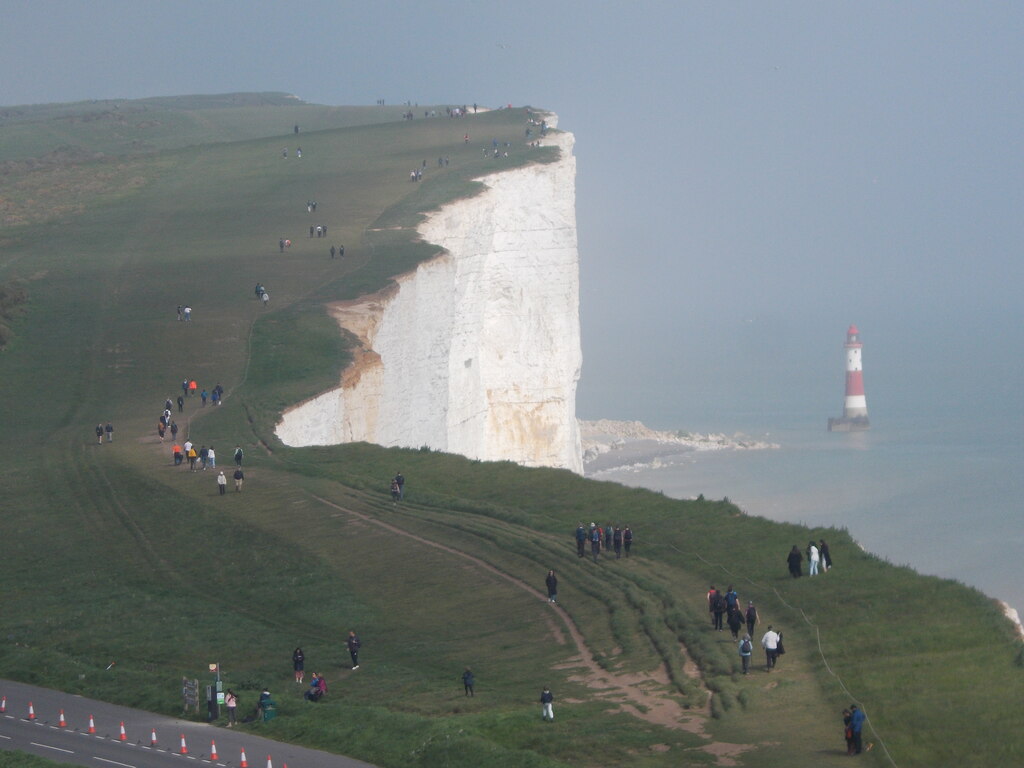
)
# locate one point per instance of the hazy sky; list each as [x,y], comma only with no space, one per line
[752,177]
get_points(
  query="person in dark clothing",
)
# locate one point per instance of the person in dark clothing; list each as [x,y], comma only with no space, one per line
[826,556]
[735,622]
[552,584]
[547,699]
[751,618]
[627,539]
[299,665]
[238,455]
[617,542]
[468,681]
[608,530]
[857,719]
[99,434]
[181,403]
[581,540]
[848,731]
[333,251]
[110,432]
[718,608]
[794,560]
[595,542]
[712,596]
[400,479]
[341,251]
[353,647]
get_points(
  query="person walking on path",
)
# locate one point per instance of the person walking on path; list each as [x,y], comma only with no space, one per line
[746,649]
[211,458]
[581,540]
[718,608]
[617,542]
[595,541]
[547,700]
[468,681]
[793,560]
[400,479]
[238,455]
[770,643]
[712,595]
[333,251]
[552,584]
[751,618]
[181,403]
[299,665]
[174,430]
[813,558]
[826,557]
[353,647]
[231,702]
[222,483]
[239,479]
[627,539]
[187,313]
[99,434]
[109,429]
[735,622]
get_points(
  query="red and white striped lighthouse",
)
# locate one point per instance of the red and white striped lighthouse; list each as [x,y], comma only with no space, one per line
[855,406]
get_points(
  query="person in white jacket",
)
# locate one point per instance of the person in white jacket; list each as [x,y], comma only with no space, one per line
[770,643]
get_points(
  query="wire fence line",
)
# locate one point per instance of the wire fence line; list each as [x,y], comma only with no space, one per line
[817,634]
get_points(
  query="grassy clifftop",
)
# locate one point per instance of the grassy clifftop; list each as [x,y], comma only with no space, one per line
[111,552]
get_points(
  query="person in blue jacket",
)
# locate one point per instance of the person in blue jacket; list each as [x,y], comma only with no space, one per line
[857,719]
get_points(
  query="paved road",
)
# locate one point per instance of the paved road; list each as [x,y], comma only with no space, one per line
[73,743]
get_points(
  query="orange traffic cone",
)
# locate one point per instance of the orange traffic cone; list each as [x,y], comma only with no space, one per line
[213,751]
[123,736]
[269,764]
[92,725]
[31,712]
[62,723]
[244,763]
[152,738]
[184,749]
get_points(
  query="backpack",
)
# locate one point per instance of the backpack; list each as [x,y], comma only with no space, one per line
[718,602]
[745,647]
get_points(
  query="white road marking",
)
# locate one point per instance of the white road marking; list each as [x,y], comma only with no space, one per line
[112,762]
[47,746]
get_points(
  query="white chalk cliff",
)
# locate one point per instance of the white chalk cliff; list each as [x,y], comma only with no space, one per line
[476,352]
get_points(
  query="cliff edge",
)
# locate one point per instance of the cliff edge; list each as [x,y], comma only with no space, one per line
[477,351]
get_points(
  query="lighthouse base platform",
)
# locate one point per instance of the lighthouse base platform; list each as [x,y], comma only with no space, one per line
[849,424]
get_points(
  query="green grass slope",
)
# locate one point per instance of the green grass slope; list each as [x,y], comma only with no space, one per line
[112,553]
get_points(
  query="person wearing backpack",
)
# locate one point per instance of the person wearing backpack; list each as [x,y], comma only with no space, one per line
[746,649]
[718,607]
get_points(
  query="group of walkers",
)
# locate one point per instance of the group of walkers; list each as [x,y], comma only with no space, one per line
[611,537]
[819,559]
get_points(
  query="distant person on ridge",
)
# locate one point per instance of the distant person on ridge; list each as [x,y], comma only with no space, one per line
[400,479]
[794,559]
[627,539]
[813,558]
[581,540]
[617,542]
[826,557]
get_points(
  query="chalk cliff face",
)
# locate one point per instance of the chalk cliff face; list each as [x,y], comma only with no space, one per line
[477,351]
